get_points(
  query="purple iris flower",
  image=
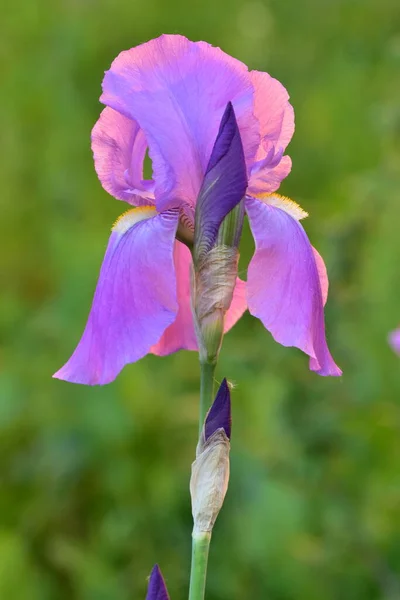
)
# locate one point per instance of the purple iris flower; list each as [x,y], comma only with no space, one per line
[184,103]
[394,340]
[157,589]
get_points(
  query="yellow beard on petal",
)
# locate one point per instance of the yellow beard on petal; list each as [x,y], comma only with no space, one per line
[286,204]
[131,217]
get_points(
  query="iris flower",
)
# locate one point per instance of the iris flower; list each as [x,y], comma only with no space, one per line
[172,97]
[394,340]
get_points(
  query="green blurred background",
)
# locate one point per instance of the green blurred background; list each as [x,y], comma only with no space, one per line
[94,481]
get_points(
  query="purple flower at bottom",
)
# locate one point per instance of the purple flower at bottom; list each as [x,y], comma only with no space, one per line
[394,340]
[157,589]
[215,132]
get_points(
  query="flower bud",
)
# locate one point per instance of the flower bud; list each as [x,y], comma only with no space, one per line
[157,589]
[213,284]
[224,185]
[210,470]
[219,217]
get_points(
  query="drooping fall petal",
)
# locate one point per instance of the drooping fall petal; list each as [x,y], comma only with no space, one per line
[157,589]
[177,91]
[296,211]
[283,285]
[135,298]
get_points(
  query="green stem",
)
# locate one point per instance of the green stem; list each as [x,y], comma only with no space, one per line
[207,371]
[200,548]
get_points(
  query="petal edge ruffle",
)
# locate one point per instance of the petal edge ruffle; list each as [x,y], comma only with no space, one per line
[119,147]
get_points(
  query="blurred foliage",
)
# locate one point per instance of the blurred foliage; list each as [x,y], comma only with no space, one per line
[94,481]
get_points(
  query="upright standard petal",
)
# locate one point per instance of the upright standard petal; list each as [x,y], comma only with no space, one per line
[276,118]
[265,178]
[283,284]
[157,588]
[181,335]
[135,298]
[273,111]
[119,147]
[224,184]
[177,92]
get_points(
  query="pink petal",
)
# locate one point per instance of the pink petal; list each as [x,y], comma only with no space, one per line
[394,340]
[177,91]
[238,305]
[180,335]
[134,302]
[273,111]
[119,147]
[276,117]
[267,180]
[295,211]
[283,285]
[323,275]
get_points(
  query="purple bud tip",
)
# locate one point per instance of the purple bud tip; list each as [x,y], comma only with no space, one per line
[227,130]
[157,588]
[224,184]
[219,415]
